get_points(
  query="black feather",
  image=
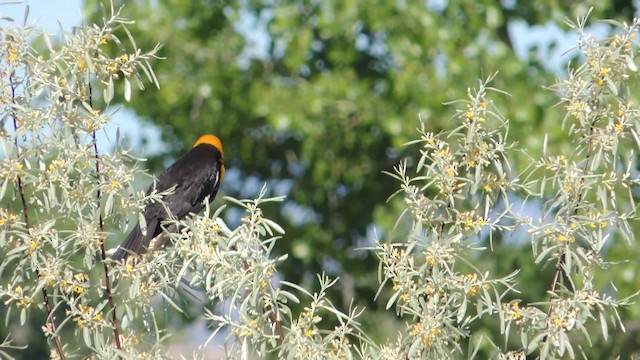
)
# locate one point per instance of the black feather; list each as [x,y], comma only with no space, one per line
[196,175]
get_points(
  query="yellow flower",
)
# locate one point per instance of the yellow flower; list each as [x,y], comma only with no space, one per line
[396,287]
[115,184]
[82,63]
[415,329]
[618,128]
[517,314]
[12,54]
[426,340]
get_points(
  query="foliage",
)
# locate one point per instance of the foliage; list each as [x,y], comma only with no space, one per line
[316,98]
[323,80]
[64,198]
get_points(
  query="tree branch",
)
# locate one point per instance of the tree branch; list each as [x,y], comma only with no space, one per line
[103,255]
[50,317]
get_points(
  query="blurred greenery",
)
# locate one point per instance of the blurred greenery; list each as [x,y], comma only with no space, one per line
[321,103]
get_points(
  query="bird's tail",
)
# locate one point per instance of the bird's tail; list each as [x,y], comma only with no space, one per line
[133,244]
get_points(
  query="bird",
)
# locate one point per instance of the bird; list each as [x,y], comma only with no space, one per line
[196,177]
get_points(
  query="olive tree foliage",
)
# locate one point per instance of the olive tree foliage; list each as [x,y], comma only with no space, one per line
[62,199]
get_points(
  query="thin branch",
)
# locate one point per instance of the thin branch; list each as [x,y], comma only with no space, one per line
[273,316]
[561,261]
[554,283]
[51,318]
[103,255]
[275,320]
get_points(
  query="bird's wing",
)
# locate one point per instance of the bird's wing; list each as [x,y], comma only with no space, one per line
[195,176]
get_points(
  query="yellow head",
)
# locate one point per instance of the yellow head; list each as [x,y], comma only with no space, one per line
[216,143]
[211,140]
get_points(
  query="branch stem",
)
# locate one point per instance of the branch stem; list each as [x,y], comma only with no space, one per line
[25,211]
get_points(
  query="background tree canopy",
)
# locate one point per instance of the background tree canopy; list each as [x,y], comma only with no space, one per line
[317,97]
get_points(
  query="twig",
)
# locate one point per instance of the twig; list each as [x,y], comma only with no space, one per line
[103,255]
[561,261]
[275,320]
[554,283]
[50,317]
[273,316]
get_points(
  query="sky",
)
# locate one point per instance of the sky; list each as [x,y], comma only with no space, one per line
[46,13]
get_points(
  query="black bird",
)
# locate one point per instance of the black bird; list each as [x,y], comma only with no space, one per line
[196,176]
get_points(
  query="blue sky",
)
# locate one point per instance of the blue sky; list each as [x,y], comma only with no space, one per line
[46,13]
